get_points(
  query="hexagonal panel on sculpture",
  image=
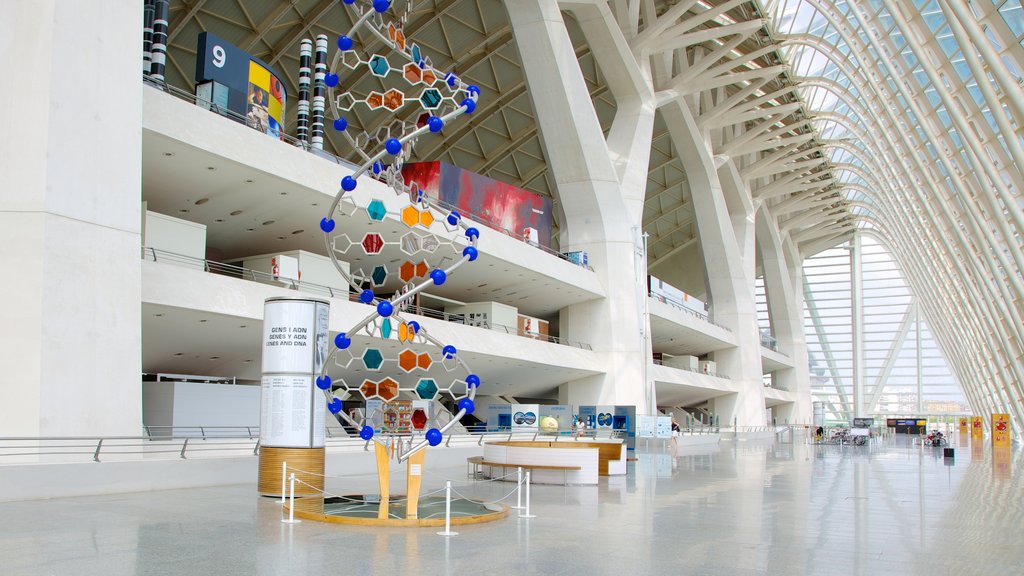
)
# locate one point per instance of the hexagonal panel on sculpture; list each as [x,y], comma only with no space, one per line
[412,73]
[410,216]
[374,100]
[393,99]
[372,359]
[430,99]
[431,243]
[426,218]
[376,210]
[372,243]
[387,389]
[426,388]
[407,360]
[418,419]
[424,361]
[407,271]
[422,269]
[341,243]
[379,65]
[379,275]
[343,358]
[368,389]
[350,58]
[344,101]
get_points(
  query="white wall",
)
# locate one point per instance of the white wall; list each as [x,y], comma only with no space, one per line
[70,196]
[497,314]
[200,404]
[313,268]
[175,235]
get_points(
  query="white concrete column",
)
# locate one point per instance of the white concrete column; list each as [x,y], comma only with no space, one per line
[70,344]
[783,279]
[600,186]
[724,217]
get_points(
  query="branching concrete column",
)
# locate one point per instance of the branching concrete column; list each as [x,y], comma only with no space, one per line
[783,279]
[600,185]
[725,223]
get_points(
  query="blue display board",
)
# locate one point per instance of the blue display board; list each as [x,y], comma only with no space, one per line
[254,89]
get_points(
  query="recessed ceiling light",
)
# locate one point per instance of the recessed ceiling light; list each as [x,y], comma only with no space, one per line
[242,326]
[297,231]
[214,357]
[248,180]
[219,220]
[284,193]
[268,222]
[168,153]
[202,201]
[280,237]
[158,315]
[316,204]
[178,354]
[183,210]
[236,212]
[247,361]
[249,229]
[203,320]
[210,168]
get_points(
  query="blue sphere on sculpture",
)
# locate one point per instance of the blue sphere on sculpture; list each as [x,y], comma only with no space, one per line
[366,433]
[434,436]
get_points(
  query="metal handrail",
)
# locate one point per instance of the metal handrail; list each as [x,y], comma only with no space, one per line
[192,98]
[56,449]
[303,286]
[715,374]
[545,337]
[680,306]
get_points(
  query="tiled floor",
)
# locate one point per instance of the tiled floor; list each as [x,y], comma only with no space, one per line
[736,510]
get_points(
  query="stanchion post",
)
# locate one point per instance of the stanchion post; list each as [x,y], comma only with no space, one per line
[527,515]
[448,511]
[284,481]
[291,508]
[519,489]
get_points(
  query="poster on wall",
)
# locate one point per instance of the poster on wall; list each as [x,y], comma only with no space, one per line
[286,412]
[499,417]
[664,426]
[605,417]
[647,426]
[977,428]
[294,347]
[525,417]
[1000,430]
[589,415]
[253,89]
[561,413]
[964,426]
[523,214]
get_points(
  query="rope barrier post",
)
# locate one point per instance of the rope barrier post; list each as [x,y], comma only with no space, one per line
[448,511]
[291,509]
[519,489]
[284,481]
[527,515]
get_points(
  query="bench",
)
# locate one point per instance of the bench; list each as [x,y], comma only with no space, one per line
[476,464]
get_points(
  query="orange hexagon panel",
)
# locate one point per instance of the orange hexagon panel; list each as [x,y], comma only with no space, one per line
[422,268]
[412,73]
[407,360]
[423,361]
[407,271]
[368,389]
[426,218]
[405,334]
[387,389]
[410,216]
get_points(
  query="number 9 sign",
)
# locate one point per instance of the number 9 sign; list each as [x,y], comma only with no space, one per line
[220,56]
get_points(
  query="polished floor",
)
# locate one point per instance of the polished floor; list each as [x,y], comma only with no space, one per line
[736,509]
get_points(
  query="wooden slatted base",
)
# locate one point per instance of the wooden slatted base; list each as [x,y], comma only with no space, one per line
[307,463]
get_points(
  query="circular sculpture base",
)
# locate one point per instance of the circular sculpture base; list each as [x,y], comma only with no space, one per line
[360,510]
